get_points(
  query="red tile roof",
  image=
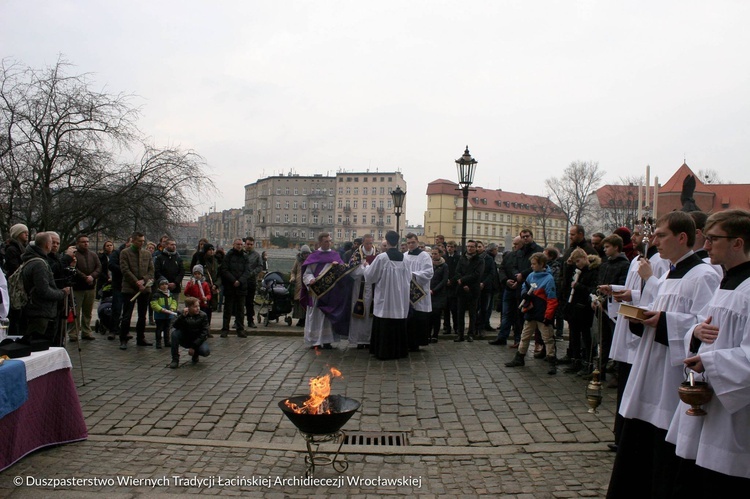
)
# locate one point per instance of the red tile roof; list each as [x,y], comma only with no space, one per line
[491,199]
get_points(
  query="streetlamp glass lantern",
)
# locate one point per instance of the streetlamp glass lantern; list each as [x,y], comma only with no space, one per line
[398,196]
[466,167]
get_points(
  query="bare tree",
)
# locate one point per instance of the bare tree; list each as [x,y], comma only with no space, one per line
[710,176]
[617,204]
[572,191]
[62,145]
[544,209]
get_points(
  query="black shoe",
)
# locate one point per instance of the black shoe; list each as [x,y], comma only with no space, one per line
[111,336]
[360,347]
[123,345]
[88,338]
[459,339]
[195,358]
[144,343]
[158,345]
[241,334]
[517,361]
[434,339]
[498,342]
[612,447]
[470,338]
[552,365]
[167,344]
[252,325]
[223,334]
[327,346]
[173,365]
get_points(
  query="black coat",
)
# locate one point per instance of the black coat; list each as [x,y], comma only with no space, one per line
[170,267]
[13,252]
[469,272]
[523,258]
[235,267]
[579,309]
[569,269]
[39,283]
[452,263]
[438,287]
[194,328]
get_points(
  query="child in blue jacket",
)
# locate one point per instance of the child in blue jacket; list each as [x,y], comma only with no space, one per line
[538,304]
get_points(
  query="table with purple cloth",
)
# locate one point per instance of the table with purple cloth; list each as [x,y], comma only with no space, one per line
[52,412]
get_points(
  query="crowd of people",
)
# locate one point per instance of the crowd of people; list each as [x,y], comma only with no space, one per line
[688,273]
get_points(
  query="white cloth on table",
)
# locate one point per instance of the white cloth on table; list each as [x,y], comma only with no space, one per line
[41,363]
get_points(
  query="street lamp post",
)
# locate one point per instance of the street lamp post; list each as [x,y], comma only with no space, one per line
[466,167]
[398,204]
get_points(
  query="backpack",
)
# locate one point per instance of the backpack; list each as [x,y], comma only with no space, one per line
[19,297]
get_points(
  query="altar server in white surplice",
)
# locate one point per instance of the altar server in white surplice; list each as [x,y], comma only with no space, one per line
[625,343]
[714,449]
[360,326]
[420,264]
[391,277]
[645,464]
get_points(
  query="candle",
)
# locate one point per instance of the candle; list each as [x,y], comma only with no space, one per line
[640,201]
[656,197]
[648,187]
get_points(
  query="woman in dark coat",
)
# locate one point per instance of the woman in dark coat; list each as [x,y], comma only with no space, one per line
[438,291]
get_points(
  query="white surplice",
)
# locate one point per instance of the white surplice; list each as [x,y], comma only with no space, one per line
[720,440]
[624,343]
[318,329]
[391,279]
[361,328]
[651,392]
[421,269]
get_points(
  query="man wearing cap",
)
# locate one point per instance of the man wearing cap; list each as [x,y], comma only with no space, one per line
[14,248]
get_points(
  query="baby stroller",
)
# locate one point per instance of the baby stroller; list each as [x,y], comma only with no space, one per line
[275,299]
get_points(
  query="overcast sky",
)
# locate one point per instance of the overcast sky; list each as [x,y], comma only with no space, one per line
[260,88]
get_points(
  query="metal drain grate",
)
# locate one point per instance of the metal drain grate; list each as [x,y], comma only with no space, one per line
[389,439]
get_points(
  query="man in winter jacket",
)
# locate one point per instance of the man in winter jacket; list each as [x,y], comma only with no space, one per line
[468,276]
[168,264]
[510,296]
[235,275]
[88,268]
[40,287]
[137,269]
[191,332]
[255,262]
[14,248]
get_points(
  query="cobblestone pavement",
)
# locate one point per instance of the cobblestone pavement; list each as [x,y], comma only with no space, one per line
[474,427]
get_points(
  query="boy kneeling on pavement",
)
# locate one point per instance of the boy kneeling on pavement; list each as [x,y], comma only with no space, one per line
[191,332]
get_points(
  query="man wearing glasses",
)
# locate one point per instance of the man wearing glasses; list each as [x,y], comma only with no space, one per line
[714,450]
[673,304]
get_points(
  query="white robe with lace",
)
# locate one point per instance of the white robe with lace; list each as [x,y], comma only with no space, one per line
[361,328]
[651,392]
[720,440]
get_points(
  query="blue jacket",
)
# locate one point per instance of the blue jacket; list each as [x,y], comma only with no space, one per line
[541,296]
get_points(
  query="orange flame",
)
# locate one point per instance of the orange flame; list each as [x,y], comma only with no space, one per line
[320,389]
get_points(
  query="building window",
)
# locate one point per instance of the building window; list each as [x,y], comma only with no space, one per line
[372,220]
[286,218]
[355,218]
[364,189]
[390,204]
[382,191]
[286,191]
[278,219]
[339,219]
[294,218]
[388,220]
[315,205]
[286,205]
[348,190]
[338,234]
[278,191]
[341,203]
[278,205]
[330,219]
[355,203]
[341,190]
[373,204]
[356,191]
[304,219]
[296,191]
[315,219]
